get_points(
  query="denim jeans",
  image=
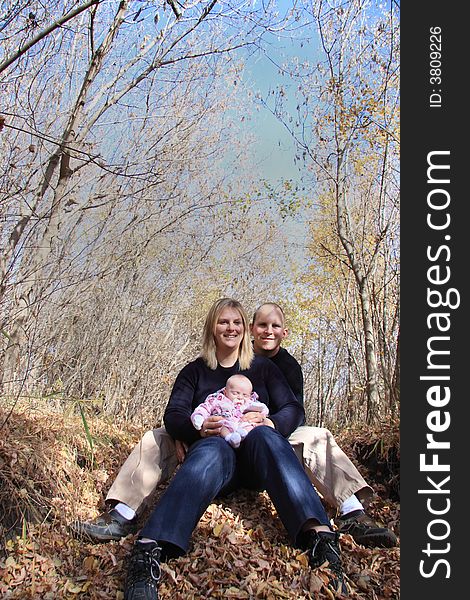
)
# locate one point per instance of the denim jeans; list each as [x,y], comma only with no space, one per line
[264,461]
[153,461]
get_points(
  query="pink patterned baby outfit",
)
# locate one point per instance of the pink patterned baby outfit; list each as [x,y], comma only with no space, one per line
[218,404]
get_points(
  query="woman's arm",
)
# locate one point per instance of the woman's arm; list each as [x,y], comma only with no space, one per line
[177,417]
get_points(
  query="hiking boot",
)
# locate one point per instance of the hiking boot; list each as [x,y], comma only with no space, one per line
[365,531]
[323,550]
[106,527]
[143,573]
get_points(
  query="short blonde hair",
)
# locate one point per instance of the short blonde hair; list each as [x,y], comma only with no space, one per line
[274,305]
[208,352]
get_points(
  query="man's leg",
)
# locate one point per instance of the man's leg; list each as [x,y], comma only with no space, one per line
[151,462]
[341,485]
[328,467]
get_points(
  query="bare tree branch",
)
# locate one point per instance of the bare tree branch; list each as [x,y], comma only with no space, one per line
[45,32]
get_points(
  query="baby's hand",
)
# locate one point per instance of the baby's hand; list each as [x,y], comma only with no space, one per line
[198,420]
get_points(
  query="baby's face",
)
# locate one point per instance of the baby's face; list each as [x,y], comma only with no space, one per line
[238,390]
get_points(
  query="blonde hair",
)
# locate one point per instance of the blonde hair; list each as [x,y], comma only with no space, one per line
[255,315]
[208,352]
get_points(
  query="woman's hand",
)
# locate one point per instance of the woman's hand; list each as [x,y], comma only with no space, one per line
[211,427]
[256,418]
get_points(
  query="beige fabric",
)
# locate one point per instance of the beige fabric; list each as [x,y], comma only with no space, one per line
[327,466]
[153,461]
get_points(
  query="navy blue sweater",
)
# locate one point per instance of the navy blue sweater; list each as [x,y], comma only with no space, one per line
[292,371]
[196,381]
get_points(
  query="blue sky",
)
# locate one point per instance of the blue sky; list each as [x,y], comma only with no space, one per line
[275,149]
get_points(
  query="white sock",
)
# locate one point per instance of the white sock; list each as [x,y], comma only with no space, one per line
[146,541]
[352,503]
[125,511]
[233,439]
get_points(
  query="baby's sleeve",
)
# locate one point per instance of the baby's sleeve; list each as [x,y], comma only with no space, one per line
[256,406]
[200,414]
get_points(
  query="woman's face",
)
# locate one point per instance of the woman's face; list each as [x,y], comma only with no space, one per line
[229,329]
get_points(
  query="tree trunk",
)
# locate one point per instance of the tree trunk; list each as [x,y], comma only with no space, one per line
[370,350]
[342,219]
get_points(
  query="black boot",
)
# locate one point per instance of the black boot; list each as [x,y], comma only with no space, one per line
[143,573]
[365,531]
[104,528]
[323,550]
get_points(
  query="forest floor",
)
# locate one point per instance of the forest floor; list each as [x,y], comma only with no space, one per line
[51,475]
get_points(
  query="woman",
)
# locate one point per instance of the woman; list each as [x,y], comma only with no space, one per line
[265,460]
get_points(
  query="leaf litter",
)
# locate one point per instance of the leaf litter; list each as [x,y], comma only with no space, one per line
[239,549]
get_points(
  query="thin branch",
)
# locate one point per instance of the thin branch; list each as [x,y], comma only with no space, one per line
[45,32]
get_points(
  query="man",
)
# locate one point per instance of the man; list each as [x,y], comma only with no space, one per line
[328,467]
[335,477]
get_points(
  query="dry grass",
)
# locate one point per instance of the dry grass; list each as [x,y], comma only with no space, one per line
[240,549]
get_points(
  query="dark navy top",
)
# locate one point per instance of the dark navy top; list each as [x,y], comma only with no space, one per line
[292,371]
[196,381]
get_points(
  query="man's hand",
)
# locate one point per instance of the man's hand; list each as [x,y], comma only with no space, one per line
[181,449]
[256,418]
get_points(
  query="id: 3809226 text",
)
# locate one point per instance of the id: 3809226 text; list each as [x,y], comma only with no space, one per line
[435,67]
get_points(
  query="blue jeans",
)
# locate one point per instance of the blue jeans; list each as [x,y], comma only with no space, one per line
[264,460]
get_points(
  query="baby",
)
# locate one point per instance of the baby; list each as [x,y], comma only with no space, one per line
[231,402]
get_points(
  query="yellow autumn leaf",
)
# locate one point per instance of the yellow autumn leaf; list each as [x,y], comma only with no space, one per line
[218,529]
[10,562]
[329,593]
[88,563]
[302,559]
[233,591]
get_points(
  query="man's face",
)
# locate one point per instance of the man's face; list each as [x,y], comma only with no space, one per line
[268,330]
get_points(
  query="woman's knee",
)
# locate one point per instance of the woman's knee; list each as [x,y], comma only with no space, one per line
[264,435]
[212,452]
[210,461]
